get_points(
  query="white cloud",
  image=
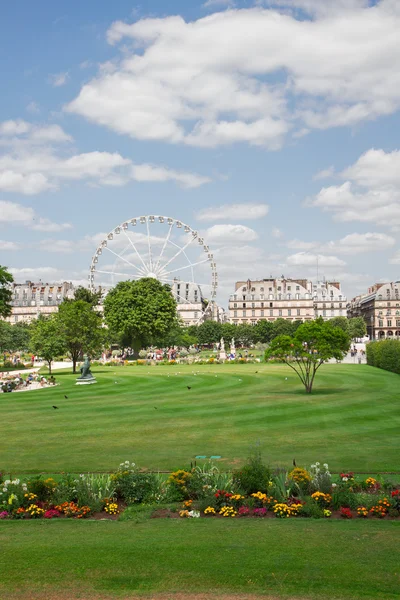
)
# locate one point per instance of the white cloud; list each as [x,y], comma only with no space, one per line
[354,243]
[306,259]
[33,108]
[214,81]
[34,164]
[17,214]
[395,260]
[235,234]
[35,273]
[370,194]
[325,173]
[233,212]
[59,79]
[218,3]
[4,245]
[276,233]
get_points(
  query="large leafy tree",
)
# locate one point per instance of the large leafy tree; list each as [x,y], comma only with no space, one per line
[20,337]
[209,332]
[342,322]
[82,293]
[47,340]
[305,352]
[5,336]
[6,279]
[263,331]
[140,313]
[81,328]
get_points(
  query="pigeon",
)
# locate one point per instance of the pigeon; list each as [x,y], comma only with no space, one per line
[188,387]
[66,397]
[256,371]
[55,406]
[155,408]
[294,463]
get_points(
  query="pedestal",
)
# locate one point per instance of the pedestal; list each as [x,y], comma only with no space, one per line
[222,355]
[89,381]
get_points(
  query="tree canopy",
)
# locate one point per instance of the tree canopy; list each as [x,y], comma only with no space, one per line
[357,327]
[140,313]
[81,328]
[47,340]
[6,279]
[313,343]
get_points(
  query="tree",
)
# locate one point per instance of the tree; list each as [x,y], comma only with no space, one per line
[20,337]
[6,279]
[305,352]
[47,340]
[82,293]
[140,313]
[357,327]
[228,331]
[81,327]
[342,322]
[209,332]
[5,336]
[263,331]
[245,334]
[282,327]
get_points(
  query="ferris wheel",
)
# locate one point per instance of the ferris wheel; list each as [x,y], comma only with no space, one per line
[163,248]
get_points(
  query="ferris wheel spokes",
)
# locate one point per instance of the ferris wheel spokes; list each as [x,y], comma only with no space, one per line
[134,247]
[165,244]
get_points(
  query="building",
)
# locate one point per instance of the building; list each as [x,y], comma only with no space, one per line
[380,309]
[33,299]
[291,299]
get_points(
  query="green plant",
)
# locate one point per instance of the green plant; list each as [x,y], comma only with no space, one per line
[321,478]
[135,486]
[254,476]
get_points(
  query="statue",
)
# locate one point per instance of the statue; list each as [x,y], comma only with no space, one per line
[222,353]
[233,349]
[86,374]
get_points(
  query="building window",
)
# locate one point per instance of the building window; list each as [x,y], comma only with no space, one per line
[324,313]
[289,312]
[389,323]
[262,314]
[261,289]
[298,312]
[244,304]
[235,313]
[262,296]
[253,313]
[16,318]
[297,288]
[243,313]
[252,296]
[235,305]
[271,313]
[195,314]
[280,312]
[380,323]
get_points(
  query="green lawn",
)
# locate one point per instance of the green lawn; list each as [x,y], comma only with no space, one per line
[289,558]
[147,415]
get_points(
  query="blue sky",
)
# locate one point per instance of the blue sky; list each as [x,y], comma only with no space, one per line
[270,127]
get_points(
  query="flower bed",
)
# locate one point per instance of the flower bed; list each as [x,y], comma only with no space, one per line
[202,492]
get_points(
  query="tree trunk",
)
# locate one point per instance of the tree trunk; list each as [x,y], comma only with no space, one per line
[73,364]
[49,364]
[309,388]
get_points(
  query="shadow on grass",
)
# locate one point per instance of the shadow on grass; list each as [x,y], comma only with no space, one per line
[316,392]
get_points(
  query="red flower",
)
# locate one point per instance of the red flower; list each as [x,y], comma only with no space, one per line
[395,493]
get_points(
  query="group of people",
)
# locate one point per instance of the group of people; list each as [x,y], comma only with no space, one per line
[12,383]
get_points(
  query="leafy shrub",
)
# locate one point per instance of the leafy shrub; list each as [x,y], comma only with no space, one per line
[384,354]
[254,476]
[42,488]
[134,486]
[321,479]
[178,485]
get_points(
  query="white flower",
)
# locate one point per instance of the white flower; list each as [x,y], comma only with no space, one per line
[4,489]
[326,466]
[194,514]
[81,475]
[317,464]
[345,478]
[7,482]
[333,485]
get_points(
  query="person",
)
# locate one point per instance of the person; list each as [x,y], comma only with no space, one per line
[33,358]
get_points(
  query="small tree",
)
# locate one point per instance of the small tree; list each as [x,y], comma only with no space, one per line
[6,279]
[209,332]
[47,340]
[263,331]
[342,322]
[357,327]
[305,352]
[81,328]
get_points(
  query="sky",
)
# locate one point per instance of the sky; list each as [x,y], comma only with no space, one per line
[269,127]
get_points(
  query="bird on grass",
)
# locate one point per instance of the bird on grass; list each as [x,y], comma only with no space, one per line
[155,408]
[256,371]
[55,406]
[66,397]
[188,387]
[294,463]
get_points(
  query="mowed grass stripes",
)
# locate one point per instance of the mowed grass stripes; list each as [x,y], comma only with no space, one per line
[149,416]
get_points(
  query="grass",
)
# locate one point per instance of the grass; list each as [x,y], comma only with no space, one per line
[290,558]
[147,414]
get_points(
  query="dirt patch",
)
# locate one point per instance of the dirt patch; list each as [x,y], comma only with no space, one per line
[164,513]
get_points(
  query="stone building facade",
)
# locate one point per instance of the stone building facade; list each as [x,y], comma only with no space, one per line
[32,299]
[380,309]
[291,299]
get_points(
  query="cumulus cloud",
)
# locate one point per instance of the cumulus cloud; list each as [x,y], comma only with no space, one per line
[395,260]
[354,243]
[276,233]
[16,214]
[306,259]
[232,76]
[59,79]
[218,4]
[33,163]
[5,245]
[233,212]
[234,234]
[370,192]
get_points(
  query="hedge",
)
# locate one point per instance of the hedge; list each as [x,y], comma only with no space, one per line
[384,355]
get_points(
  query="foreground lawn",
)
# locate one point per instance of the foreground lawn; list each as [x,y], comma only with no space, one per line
[148,415]
[290,558]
